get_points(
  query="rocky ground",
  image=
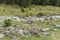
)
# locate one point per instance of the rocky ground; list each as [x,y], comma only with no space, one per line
[43,28]
[31,23]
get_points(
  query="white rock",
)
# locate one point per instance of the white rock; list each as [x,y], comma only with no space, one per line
[57,26]
[44,34]
[41,19]
[53,35]
[56,17]
[46,29]
[14,38]
[16,19]
[2,35]
[20,31]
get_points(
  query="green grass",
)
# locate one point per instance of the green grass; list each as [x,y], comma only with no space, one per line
[43,25]
[9,10]
[14,10]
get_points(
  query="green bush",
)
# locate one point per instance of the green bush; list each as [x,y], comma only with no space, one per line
[7,22]
[40,14]
[31,14]
[22,9]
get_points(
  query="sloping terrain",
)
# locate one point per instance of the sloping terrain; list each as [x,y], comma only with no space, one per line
[14,10]
[34,10]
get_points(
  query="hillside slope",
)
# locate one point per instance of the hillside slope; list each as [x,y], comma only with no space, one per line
[34,10]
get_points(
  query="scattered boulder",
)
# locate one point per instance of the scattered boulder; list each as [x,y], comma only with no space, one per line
[57,17]
[36,27]
[6,30]
[27,33]
[21,32]
[50,23]
[25,25]
[16,19]
[34,32]
[2,35]
[46,29]
[57,26]
[14,38]
[41,19]
[29,21]
[44,34]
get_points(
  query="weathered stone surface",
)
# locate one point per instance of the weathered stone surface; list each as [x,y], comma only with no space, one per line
[45,29]
[44,34]
[57,17]
[34,32]
[20,32]
[57,26]
[14,38]
[50,23]
[29,21]
[16,19]
[2,35]
[36,27]
[27,33]
[41,19]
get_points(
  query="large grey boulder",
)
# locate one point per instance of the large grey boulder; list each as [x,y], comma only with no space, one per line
[57,17]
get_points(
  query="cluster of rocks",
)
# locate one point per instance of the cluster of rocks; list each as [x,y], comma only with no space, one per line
[42,18]
[24,32]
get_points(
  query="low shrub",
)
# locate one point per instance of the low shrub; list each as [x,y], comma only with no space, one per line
[7,22]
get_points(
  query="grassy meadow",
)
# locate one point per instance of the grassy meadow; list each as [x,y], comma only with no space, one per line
[14,10]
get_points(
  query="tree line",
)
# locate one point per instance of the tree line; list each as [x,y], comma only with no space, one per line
[25,3]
